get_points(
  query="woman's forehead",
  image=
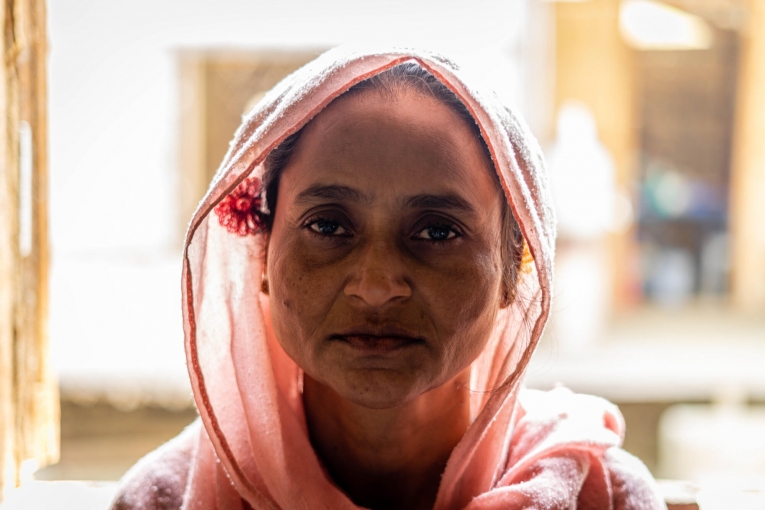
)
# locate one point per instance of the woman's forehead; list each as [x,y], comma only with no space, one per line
[410,140]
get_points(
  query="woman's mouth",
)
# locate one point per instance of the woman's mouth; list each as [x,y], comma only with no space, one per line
[373,344]
[375,340]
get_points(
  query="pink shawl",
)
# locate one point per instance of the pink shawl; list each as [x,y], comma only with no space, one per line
[523,449]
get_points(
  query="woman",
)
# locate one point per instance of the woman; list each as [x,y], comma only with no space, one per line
[364,285]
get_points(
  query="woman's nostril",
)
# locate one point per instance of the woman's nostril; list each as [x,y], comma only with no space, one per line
[376,288]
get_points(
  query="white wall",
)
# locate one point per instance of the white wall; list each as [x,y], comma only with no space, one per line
[115,310]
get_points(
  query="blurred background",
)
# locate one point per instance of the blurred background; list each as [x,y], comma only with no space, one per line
[652,118]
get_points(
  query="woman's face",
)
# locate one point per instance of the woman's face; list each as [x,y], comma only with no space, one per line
[384,263]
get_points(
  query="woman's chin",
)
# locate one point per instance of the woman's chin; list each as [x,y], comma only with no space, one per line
[378,389]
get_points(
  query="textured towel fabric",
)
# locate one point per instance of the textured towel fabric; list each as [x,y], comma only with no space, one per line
[250,449]
[562,457]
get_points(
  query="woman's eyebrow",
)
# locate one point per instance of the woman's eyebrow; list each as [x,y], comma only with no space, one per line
[448,201]
[330,192]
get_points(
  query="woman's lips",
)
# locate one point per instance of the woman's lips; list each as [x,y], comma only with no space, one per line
[373,344]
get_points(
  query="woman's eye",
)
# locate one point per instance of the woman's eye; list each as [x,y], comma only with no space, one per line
[327,227]
[437,233]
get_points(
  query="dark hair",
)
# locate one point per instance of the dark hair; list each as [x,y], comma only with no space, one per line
[390,83]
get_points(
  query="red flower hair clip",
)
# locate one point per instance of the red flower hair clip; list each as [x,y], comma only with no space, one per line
[239,212]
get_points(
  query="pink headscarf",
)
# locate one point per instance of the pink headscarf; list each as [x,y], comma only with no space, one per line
[522,450]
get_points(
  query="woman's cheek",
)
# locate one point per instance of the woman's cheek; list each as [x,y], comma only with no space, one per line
[467,288]
[302,288]
[470,306]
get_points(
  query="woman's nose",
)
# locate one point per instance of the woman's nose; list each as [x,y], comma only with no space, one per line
[379,277]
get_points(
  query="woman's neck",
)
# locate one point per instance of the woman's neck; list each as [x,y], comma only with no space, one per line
[388,458]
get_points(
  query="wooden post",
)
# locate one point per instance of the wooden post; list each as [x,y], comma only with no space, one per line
[28,394]
[748,169]
[595,67]
[8,263]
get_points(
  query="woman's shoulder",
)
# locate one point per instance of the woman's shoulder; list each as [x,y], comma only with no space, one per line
[158,481]
[632,484]
[560,423]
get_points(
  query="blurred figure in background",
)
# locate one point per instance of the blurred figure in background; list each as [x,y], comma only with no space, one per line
[584,193]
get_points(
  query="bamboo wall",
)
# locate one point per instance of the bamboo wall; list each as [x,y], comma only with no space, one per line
[28,395]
